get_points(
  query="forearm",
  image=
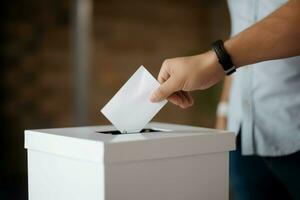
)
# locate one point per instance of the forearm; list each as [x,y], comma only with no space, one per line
[276,36]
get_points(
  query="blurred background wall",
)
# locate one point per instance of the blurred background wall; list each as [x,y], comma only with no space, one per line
[39,83]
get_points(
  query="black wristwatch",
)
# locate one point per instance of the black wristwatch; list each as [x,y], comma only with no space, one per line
[223,57]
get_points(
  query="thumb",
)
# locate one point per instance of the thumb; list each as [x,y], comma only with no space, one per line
[164,90]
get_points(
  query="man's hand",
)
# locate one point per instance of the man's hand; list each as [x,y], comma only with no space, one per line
[179,76]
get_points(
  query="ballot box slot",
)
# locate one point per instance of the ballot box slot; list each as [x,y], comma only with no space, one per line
[145,130]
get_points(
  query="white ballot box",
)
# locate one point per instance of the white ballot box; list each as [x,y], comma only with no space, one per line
[163,162]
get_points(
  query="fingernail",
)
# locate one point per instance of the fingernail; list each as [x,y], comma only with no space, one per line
[154,98]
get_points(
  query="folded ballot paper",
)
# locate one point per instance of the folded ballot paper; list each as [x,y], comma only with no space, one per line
[130,109]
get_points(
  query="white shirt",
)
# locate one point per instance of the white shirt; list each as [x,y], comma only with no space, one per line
[265,97]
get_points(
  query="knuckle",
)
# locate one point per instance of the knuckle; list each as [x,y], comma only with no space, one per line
[166,63]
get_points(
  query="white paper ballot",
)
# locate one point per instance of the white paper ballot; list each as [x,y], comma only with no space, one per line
[130,109]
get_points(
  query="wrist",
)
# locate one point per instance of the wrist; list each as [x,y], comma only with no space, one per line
[207,71]
[224,57]
[229,46]
[213,61]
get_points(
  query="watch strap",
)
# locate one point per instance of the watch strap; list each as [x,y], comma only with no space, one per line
[223,57]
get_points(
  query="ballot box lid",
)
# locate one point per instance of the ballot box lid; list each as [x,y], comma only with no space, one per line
[105,144]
